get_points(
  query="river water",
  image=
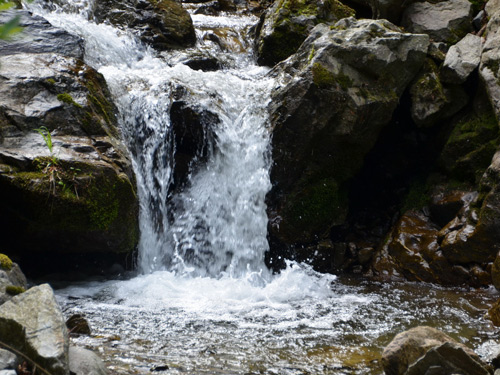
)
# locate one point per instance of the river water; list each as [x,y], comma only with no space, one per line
[202,300]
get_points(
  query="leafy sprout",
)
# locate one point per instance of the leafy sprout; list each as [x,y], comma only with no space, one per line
[47,137]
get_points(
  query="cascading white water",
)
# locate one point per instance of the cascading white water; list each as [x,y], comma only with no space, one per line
[219,224]
[205,303]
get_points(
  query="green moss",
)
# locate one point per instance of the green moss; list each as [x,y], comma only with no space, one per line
[104,205]
[13,290]
[417,197]
[68,99]
[471,146]
[50,81]
[340,10]
[5,262]
[323,78]
[314,209]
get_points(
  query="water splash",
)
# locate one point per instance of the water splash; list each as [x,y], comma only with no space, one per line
[217,224]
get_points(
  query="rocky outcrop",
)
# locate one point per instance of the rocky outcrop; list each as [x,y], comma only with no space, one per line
[445,21]
[347,80]
[32,324]
[287,24]
[62,163]
[12,280]
[164,24]
[418,349]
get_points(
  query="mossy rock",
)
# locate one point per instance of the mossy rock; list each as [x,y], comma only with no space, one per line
[288,23]
[311,211]
[471,146]
[13,290]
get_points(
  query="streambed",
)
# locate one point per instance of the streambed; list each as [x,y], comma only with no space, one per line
[300,322]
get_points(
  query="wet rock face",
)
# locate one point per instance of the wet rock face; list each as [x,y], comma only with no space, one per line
[445,21]
[287,24]
[347,81]
[77,195]
[164,24]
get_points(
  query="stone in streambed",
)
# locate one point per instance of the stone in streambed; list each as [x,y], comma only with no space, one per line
[85,362]
[32,323]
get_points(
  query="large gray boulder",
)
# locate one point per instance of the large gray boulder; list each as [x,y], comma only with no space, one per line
[347,80]
[445,21]
[85,362]
[32,323]
[288,23]
[407,347]
[8,360]
[490,58]
[461,59]
[79,195]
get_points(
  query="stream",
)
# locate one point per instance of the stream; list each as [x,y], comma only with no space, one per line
[202,300]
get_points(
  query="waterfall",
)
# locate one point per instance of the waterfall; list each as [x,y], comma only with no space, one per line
[215,223]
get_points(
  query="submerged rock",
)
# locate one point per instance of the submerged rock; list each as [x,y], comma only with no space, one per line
[32,323]
[444,21]
[287,24]
[407,348]
[347,80]
[85,362]
[164,24]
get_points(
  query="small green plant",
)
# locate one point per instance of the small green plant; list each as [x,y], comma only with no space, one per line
[47,137]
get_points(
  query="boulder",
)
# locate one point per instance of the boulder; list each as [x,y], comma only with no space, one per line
[77,324]
[490,58]
[493,313]
[495,275]
[347,80]
[448,358]
[85,362]
[164,24]
[63,165]
[431,101]
[408,346]
[461,59]
[12,280]
[32,323]
[287,24]
[8,360]
[445,21]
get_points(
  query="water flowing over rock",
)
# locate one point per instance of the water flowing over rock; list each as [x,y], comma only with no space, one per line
[32,323]
[76,188]
[163,24]
[461,59]
[402,355]
[445,21]
[347,80]
[490,60]
[287,24]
